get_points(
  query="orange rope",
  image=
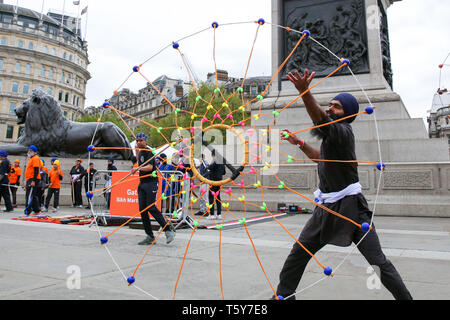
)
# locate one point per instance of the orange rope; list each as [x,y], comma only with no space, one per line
[259,261]
[250,57]
[182,263]
[131,131]
[282,65]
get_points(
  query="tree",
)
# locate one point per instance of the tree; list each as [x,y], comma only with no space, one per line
[108,117]
[164,127]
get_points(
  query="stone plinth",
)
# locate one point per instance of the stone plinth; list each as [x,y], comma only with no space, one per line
[417,179]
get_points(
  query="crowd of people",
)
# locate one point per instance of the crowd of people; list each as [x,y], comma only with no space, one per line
[42,184]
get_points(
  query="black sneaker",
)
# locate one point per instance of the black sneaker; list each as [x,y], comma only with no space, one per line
[147,241]
[199,213]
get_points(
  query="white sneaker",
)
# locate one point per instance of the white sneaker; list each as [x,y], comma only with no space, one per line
[55,210]
[219,217]
[80,206]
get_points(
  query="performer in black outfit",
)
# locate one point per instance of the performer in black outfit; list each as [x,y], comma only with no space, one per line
[216,172]
[76,173]
[339,190]
[147,191]
[108,178]
[89,175]
[5,168]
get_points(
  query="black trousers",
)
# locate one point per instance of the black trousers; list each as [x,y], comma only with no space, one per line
[4,193]
[50,193]
[34,206]
[76,195]
[370,248]
[211,200]
[41,196]
[13,194]
[147,192]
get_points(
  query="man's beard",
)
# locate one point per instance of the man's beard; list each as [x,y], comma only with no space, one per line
[317,132]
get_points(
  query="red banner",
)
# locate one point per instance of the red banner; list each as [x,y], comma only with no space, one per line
[124,196]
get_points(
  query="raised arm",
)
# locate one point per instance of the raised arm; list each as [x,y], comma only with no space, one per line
[310,152]
[301,83]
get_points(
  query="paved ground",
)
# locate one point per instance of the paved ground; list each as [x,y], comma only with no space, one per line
[43,261]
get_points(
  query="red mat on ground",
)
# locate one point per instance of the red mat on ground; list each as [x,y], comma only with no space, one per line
[71,220]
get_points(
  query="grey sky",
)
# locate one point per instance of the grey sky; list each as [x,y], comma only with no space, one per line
[122,34]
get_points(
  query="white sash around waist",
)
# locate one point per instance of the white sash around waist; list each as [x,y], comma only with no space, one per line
[333,197]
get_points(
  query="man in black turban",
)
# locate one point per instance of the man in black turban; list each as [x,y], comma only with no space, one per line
[339,191]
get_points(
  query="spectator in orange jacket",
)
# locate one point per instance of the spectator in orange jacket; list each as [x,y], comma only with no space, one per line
[55,176]
[33,178]
[14,181]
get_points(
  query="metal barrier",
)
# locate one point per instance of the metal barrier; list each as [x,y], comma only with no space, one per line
[100,204]
[173,186]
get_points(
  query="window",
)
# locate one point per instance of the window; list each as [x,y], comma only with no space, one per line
[54,51]
[15,87]
[20,131]
[68,78]
[9,132]
[45,49]
[64,55]
[12,108]
[30,46]
[17,67]
[1,84]
[50,91]
[62,76]
[73,99]
[26,88]
[66,98]
[1,64]
[6,17]
[28,68]
[78,101]
[60,95]
[65,113]
[4,41]
[50,73]
[70,58]
[42,71]
[20,44]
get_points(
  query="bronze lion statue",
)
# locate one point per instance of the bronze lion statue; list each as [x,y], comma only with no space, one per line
[55,136]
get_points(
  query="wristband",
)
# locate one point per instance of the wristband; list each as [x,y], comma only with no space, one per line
[301,143]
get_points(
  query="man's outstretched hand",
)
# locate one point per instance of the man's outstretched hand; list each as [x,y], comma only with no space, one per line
[293,139]
[301,83]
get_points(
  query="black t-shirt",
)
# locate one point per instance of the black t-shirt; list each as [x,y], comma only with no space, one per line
[89,176]
[143,156]
[5,168]
[216,171]
[338,144]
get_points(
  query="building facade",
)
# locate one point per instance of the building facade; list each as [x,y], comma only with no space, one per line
[439,119]
[38,52]
[147,103]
